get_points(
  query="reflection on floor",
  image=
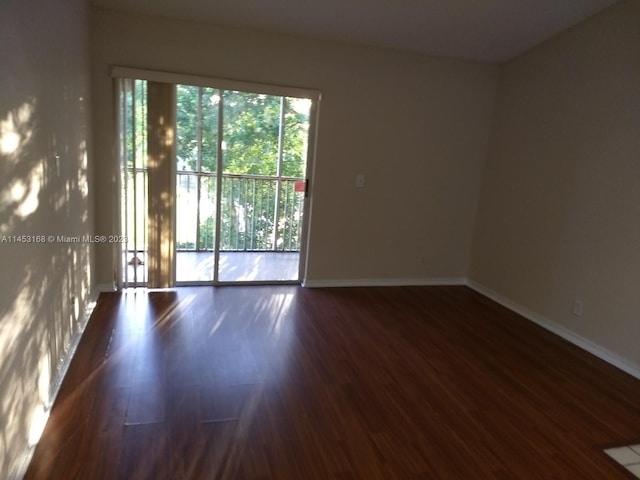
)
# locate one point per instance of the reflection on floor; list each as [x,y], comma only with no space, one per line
[234,267]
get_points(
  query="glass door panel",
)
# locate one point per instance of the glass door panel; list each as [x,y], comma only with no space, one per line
[197,110]
[263,156]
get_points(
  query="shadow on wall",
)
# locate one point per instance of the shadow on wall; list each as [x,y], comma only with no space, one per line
[45,265]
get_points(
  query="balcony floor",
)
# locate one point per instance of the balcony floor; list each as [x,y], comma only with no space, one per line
[234,267]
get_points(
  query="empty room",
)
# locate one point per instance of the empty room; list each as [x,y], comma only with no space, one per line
[319,240]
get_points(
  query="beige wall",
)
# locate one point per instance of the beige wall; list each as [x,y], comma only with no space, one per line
[416,126]
[44,190]
[559,215]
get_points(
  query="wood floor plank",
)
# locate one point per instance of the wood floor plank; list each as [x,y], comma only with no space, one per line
[103,437]
[142,447]
[282,382]
[225,402]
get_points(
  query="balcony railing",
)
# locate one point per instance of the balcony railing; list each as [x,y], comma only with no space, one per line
[257,213]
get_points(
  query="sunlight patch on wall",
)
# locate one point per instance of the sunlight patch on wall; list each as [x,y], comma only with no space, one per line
[38,423]
[11,325]
[44,380]
[17,335]
[21,195]
[9,142]
[16,129]
[18,318]
[40,414]
[83,182]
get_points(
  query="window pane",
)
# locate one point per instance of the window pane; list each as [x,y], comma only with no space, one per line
[207,212]
[187,128]
[250,133]
[210,102]
[186,211]
[296,133]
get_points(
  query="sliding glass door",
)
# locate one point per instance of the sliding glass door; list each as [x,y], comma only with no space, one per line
[240,190]
[197,145]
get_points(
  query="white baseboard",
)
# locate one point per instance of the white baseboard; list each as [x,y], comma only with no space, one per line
[383,282]
[584,343]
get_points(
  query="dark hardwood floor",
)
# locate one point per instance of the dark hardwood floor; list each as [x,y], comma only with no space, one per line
[282,382]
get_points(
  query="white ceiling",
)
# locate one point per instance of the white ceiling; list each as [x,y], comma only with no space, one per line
[485,30]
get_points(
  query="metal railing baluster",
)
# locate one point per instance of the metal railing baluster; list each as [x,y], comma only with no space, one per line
[250,223]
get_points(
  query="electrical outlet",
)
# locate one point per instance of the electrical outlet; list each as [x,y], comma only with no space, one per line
[360,180]
[578,307]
